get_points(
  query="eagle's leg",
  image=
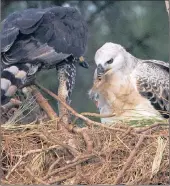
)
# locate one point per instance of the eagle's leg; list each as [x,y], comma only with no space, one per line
[67,75]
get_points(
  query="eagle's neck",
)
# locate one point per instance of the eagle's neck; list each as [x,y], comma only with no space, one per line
[130,63]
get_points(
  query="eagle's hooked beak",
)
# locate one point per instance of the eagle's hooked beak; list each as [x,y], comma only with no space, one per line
[83,63]
[100,71]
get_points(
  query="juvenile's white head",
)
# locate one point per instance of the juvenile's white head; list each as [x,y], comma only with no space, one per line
[113,56]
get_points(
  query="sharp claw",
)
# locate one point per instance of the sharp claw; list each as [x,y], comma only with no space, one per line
[30,81]
[84,64]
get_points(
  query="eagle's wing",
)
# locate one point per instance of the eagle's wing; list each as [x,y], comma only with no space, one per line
[49,35]
[18,23]
[153,83]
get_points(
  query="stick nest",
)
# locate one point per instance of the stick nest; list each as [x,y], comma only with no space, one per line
[44,154]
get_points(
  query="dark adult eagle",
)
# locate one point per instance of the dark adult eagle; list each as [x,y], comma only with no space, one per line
[128,86]
[36,39]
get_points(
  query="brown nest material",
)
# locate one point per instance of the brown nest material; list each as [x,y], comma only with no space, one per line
[44,154]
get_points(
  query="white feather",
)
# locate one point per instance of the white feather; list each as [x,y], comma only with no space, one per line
[118,92]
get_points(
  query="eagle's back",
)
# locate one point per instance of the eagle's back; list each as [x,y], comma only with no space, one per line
[46,34]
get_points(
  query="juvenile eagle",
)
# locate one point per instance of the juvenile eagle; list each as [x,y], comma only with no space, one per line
[36,39]
[128,86]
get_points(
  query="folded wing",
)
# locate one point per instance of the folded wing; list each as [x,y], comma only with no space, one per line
[153,83]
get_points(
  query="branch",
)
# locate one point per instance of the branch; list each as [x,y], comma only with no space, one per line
[72,150]
[84,133]
[25,155]
[88,141]
[150,127]
[87,120]
[11,104]
[95,115]
[79,161]
[129,161]
[43,103]
[98,115]
[60,179]
[37,179]
[53,165]
[14,167]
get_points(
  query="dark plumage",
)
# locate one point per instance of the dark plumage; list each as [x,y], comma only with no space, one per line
[61,28]
[36,39]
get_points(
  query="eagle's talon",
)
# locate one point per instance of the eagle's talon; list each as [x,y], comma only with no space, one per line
[84,64]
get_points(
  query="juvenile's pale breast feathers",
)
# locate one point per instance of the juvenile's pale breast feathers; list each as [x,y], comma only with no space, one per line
[140,88]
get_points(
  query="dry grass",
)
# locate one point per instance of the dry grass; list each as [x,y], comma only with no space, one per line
[34,154]
[53,152]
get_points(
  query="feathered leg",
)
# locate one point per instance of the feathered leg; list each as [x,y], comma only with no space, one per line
[66,74]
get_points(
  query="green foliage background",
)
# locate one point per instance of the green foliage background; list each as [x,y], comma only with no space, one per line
[140,26]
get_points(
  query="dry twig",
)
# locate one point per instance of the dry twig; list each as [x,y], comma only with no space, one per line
[129,160]
[43,103]
[87,120]
[53,165]
[100,167]
[97,115]
[150,127]
[84,133]
[62,178]
[25,155]
[11,104]
[79,161]
[36,178]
